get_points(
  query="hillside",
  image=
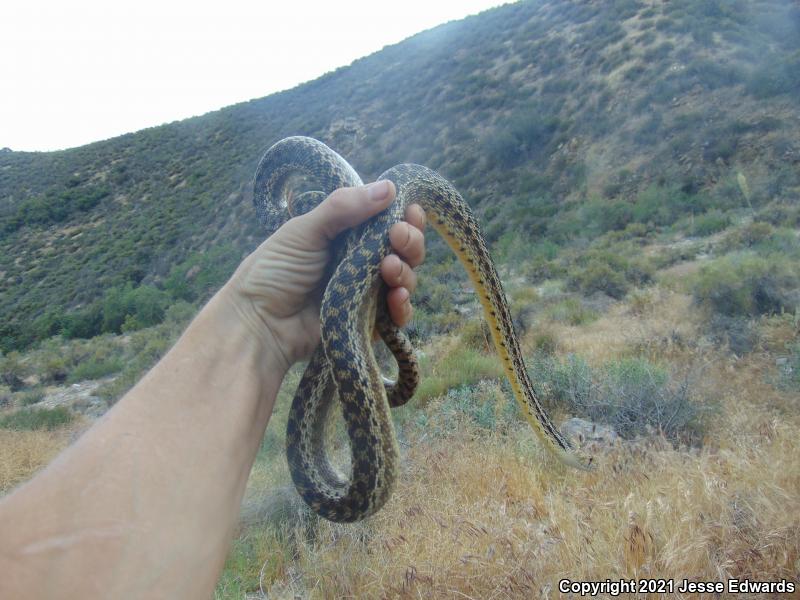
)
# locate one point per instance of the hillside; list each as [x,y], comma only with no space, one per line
[532,109]
[636,167]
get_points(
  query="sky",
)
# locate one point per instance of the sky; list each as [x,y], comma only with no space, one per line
[78,71]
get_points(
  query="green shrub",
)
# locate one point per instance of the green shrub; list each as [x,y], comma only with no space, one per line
[599,277]
[746,237]
[54,367]
[745,284]
[84,323]
[545,342]
[465,401]
[480,406]
[95,368]
[527,133]
[475,334]
[53,207]
[632,395]
[40,418]
[202,273]
[603,215]
[139,307]
[12,371]
[676,254]
[782,241]
[737,333]
[710,222]
[609,271]
[32,397]
[779,214]
[662,205]
[571,311]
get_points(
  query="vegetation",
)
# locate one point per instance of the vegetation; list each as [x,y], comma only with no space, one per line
[745,284]
[105,237]
[38,418]
[632,395]
[634,168]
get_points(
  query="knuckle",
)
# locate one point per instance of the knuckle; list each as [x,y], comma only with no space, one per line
[416,214]
[339,196]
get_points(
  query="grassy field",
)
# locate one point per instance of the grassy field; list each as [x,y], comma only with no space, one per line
[704,484]
[482,512]
[634,166]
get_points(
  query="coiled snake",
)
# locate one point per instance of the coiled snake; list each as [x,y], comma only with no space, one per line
[344,366]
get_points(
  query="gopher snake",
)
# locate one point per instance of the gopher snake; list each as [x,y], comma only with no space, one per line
[344,365]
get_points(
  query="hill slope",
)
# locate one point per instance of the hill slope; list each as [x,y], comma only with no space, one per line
[538,112]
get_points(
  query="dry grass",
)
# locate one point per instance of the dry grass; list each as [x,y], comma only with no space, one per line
[22,453]
[655,326]
[488,517]
[481,514]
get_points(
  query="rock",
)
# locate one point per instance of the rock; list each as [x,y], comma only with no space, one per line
[78,397]
[588,435]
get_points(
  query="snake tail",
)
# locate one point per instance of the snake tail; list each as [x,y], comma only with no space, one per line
[452,218]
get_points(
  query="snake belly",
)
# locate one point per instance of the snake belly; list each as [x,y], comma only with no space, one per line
[343,367]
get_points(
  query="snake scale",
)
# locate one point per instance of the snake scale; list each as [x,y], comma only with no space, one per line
[353,305]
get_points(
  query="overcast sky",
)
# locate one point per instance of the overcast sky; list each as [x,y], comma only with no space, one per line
[78,71]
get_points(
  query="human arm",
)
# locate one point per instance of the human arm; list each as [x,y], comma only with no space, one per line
[144,504]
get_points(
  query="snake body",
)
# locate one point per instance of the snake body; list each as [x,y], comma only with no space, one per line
[344,366]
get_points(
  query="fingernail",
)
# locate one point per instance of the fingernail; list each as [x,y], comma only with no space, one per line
[378,190]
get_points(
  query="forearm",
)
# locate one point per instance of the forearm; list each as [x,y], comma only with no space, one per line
[145,503]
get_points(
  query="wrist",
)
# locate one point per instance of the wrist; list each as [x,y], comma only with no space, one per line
[240,315]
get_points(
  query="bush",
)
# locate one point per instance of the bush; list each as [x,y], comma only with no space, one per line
[604,215]
[133,308]
[12,371]
[748,285]
[664,205]
[710,222]
[32,397]
[202,273]
[545,342]
[41,418]
[95,368]
[54,367]
[599,277]
[609,272]
[737,333]
[475,334]
[747,236]
[526,134]
[632,395]
[53,207]
[483,406]
[571,311]
[85,323]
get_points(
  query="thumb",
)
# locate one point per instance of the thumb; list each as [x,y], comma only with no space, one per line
[348,207]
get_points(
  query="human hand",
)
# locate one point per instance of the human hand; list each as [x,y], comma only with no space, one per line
[277,289]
